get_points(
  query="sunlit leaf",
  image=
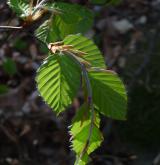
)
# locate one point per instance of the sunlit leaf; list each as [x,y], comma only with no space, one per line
[93,54]
[109,94]
[21,7]
[80,132]
[83,161]
[58,81]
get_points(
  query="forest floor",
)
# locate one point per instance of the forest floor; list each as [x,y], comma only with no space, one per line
[31,134]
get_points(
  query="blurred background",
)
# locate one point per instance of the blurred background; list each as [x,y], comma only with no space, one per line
[127,32]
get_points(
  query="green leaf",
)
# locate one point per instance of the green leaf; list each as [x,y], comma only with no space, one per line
[107,2]
[83,161]
[47,32]
[21,7]
[109,94]
[3,89]
[93,54]
[9,66]
[69,19]
[58,80]
[42,33]
[80,132]
[73,19]
[20,44]
[43,48]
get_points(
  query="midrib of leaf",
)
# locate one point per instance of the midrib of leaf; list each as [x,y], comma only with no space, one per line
[60,79]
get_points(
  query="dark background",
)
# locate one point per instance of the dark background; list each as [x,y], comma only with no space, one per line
[31,134]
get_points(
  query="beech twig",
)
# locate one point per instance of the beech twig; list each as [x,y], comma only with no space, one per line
[90,103]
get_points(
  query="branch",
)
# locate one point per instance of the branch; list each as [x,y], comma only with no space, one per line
[90,102]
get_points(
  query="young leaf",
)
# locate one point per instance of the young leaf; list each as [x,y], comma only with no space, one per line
[58,80]
[21,7]
[69,19]
[83,161]
[42,33]
[47,32]
[93,54]
[73,18]
[109,95]
[80,133]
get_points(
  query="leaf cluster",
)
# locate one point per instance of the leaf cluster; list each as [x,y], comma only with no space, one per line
[75,62]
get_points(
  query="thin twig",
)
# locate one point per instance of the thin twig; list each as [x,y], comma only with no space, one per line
[90,103]
[31,6]
[11,27]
